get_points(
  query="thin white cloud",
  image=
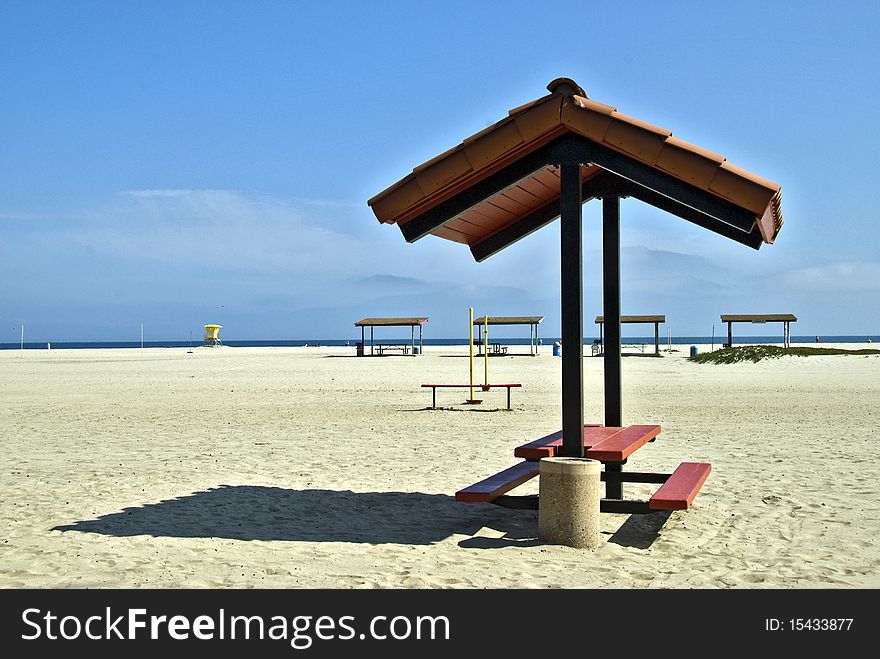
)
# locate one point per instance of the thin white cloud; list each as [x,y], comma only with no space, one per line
[842,275]
[164,193]
[35,216]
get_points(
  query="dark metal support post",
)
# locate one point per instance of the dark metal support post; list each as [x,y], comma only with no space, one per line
[421,349]
[371,339]
[572,293]
[656,338]
[412,338]
[729,334]
[611,313]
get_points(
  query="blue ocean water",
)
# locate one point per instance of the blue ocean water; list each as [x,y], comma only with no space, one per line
[547,341]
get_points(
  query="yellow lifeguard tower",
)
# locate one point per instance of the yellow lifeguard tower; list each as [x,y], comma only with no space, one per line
[212,335]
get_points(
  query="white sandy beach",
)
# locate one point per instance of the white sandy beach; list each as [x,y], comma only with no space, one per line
[310,467]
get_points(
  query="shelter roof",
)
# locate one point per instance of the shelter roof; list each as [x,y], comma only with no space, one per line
[390,322]
[509,320]
[636,319]
[758,318]
[502,183]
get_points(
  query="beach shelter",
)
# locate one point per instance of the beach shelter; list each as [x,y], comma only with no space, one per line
[531,321]
[759,319]
[542,162]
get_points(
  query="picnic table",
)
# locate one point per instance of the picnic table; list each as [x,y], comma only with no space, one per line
[498,349]
[382,348]
[610,445]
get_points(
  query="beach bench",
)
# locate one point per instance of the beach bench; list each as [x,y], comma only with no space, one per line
[489,489]
[610,445]
[481,387]
[679,490]
[382,348]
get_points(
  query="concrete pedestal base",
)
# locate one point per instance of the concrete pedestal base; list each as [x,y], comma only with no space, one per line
[568,502]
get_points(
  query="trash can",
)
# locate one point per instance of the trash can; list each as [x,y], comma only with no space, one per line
[694,351]
[416,350]
[557,349]
[359,347]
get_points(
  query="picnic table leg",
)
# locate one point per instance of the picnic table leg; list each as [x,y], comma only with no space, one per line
[613,489]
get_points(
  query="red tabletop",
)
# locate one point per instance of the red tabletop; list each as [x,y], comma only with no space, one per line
[605,443]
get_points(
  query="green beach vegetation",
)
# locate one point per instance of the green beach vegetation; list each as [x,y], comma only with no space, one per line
[756,353]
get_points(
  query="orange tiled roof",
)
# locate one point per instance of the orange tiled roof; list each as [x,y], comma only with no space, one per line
[566,110]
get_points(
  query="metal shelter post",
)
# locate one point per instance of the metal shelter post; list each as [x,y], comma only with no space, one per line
[656,338]
[571,251]
[611,313]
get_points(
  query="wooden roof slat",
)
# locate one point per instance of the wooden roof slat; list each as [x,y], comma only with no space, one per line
[452,234]
[523,196]
[508,203]
[470,232]
[537,184]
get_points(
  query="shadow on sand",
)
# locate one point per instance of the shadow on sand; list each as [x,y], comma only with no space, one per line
[640,531]
[249,512]
[252,512]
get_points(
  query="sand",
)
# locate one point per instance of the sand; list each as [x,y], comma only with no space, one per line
[310,467]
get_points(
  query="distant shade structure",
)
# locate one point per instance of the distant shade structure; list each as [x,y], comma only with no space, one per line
[212,335]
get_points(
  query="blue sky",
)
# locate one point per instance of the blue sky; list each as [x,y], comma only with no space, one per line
[175,164]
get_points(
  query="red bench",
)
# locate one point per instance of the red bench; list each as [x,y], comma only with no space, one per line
[491,488]
[481,387]
[680,489]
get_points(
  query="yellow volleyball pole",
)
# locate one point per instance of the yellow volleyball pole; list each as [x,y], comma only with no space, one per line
[486,352]
[471,343]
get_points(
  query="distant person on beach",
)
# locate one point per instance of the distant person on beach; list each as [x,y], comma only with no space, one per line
[817,339]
